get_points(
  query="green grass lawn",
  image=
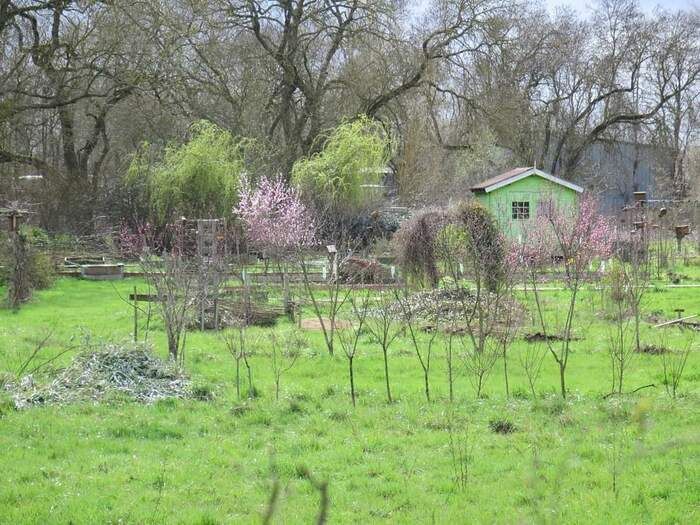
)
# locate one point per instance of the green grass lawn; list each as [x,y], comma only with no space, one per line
[584,460]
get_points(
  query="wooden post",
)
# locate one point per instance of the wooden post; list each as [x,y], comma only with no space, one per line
[247,299]
[136,317]
[285,290]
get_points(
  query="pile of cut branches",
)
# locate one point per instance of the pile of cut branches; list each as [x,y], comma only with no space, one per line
[447,305]
[96,375]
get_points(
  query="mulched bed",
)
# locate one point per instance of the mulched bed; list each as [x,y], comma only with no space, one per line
[653,350]
[539,336]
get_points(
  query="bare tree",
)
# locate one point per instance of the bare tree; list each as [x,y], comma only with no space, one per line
[238,344]
[449,358]
[673,364]
[626,284]
[479,362]
[350,336]
[383,329]
[473,253]
[69,69]
[423,346]
[676,71]
[173,277]
[507,334]
[531,359]
[285,350]
[326,300]
[636,271]
[571,240]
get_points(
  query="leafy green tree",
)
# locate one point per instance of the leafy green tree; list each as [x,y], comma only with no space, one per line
[352,157]
[197,179]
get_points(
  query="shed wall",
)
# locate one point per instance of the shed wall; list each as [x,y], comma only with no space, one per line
[532,189]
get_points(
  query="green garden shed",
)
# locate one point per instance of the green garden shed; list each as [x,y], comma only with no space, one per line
[513,196]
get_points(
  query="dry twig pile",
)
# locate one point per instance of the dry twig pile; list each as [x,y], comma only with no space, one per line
[96,375]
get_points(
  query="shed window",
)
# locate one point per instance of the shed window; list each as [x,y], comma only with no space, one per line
[521,210]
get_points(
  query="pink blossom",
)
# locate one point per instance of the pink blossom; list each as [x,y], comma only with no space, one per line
[274,216]
[133,242]
[579,235]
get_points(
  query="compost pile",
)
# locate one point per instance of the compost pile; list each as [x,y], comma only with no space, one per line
[447,305]
[355,270]
[133,371]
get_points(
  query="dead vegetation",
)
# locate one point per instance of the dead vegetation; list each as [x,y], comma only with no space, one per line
[652,349]
[449,306]
[97,375]
[536,337]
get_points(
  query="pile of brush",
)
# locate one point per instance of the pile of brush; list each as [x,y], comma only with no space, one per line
[99,374]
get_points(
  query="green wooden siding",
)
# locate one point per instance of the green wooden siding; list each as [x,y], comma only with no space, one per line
[533,189]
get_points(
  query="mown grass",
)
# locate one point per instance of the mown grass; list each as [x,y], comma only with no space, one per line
[587,459]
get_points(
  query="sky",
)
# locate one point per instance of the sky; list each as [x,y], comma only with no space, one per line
[647,5]
[582,6]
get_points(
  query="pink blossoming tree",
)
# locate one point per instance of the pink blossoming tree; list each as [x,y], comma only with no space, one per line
[572,239]
[275,218]
[132,242]
[276,221]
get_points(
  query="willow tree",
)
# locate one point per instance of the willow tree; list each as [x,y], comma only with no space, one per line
[198,179]
[338,179]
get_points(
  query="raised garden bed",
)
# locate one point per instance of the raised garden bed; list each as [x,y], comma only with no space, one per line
[102,272]
[76,262]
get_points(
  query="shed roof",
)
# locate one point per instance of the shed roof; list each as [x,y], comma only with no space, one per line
[516,174]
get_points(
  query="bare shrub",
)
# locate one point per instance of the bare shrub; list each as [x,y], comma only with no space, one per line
[621,347]
[483,247]
[461,451]
[285,350]
[673,363]
[383,329]
[531,359]
[423,346]
[237,343]
[479,359]
[350,337]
